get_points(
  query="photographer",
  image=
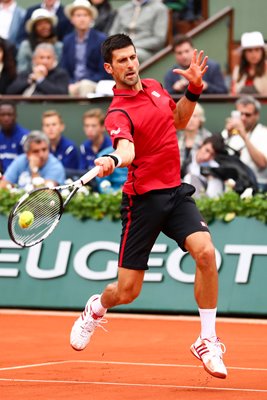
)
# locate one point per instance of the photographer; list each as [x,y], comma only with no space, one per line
[203,160]
[248,137]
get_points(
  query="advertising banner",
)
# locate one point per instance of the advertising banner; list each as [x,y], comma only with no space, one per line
[80,259]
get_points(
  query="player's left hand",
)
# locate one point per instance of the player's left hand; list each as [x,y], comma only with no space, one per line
[196,69]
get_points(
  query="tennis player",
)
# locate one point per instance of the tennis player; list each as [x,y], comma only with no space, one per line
[142,121]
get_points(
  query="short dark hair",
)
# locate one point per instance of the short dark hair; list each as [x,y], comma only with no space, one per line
[115,42]
[8,103]
[181,39]
[216,141]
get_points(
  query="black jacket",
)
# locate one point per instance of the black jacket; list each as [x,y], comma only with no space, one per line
[56,82]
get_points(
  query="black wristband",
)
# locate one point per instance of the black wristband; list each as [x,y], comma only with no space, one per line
[114,158]
[191,96]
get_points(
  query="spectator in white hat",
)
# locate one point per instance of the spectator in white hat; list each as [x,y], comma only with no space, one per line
[81,55]
[41,29]
[55,8]
[250,76]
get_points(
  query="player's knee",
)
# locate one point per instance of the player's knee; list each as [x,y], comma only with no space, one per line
[205,257]
[128,295]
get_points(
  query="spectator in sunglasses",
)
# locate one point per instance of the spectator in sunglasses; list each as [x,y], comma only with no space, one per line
[248,137]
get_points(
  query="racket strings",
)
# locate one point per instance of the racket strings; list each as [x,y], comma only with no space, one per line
[46,206]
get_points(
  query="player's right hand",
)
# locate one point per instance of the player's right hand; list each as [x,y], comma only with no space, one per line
[107,166]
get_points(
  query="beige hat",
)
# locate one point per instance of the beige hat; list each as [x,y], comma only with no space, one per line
[38,15]
[252,39]
[80,4]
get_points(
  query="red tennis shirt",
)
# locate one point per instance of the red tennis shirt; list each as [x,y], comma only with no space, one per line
[145,118]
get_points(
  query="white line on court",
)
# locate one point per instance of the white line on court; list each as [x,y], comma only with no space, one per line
[139,364]
[34,365]
[155,317]
[145,385]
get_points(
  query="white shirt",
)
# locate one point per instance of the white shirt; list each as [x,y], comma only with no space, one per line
[6,16]
[258,138]
[52,10]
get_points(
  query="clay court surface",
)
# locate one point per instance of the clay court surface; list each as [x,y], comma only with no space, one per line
[140,357]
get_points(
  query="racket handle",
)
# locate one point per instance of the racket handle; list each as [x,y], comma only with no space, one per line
[89,175]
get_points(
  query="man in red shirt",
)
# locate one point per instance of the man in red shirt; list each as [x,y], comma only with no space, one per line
[142,122]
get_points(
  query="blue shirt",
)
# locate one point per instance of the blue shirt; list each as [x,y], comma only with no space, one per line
[19,173]
[88,156]
[12,145]
[67,153]
[80,71]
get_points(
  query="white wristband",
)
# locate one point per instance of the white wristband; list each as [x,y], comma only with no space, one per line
[118,158]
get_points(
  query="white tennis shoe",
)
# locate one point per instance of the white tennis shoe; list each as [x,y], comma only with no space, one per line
[84,327]
[211,354]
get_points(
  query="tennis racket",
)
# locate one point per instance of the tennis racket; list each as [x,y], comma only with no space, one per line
[46,206]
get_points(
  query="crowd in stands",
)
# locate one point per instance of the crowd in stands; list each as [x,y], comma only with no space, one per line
[49,49]
[236,156]
[47,156]
[77,31]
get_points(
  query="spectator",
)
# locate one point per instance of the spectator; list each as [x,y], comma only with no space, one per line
[12,135]
[37,167]
[247,136]
[40,28]
[146,22]
[194,133]
[55,8]
[114,182]
[82,50]
[97,140]
[46,76]
[7,66]
[204,156]
[250,76]
[105,16]
[11,17]
[61,147]
[183,50]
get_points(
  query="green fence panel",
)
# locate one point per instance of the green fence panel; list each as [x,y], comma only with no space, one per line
[30,115]
[249,15]
[80,258]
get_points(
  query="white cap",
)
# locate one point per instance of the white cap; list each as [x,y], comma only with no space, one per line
[252,39]
[38,15]
[68,10]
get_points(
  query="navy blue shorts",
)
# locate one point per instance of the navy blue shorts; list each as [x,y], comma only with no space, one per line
[171,211]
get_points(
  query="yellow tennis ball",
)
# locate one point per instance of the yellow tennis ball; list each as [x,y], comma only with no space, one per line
[26,219]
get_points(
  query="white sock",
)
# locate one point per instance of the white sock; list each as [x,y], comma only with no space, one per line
[208,319]
[97,307]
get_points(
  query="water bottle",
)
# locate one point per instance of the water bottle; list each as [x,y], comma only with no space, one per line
[236,115]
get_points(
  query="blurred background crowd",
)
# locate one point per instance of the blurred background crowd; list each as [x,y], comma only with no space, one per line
[53,49]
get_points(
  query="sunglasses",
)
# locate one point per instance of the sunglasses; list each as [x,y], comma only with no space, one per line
[247,114]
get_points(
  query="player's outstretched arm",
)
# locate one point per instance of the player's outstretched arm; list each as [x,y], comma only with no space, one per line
[194,73]
[124,153]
